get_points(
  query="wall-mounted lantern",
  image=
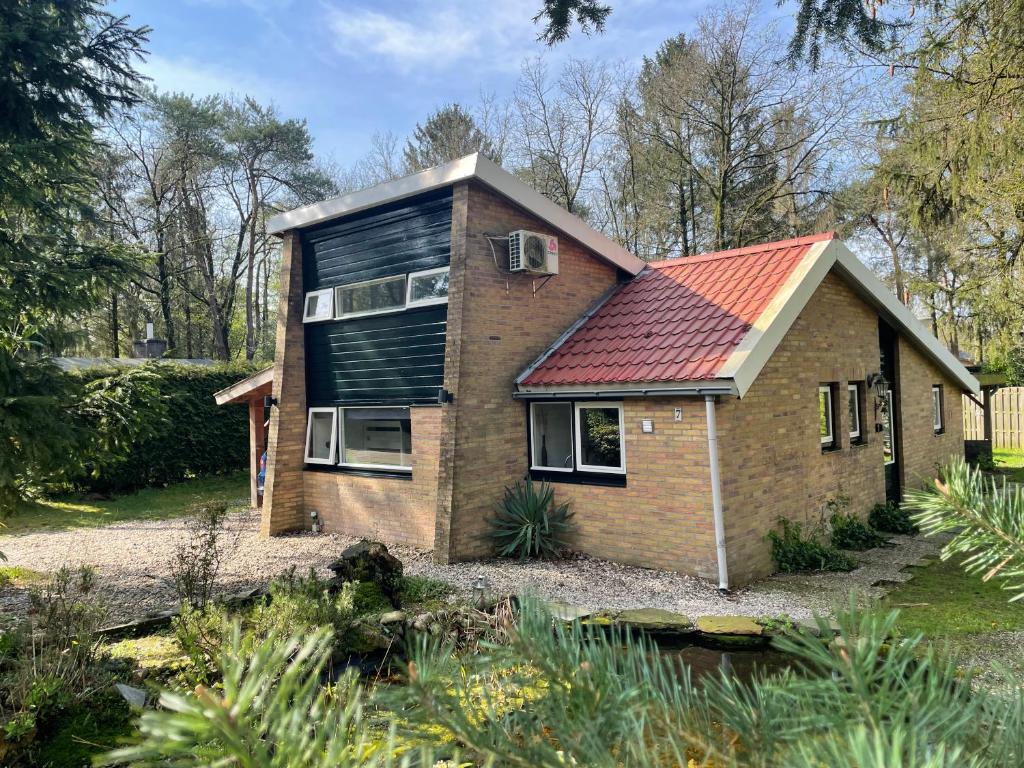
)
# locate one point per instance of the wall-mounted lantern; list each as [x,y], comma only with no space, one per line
[269,401]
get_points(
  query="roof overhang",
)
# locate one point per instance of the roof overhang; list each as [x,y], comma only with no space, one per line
[476,167]
[767,333]
[616,391]
[243,391]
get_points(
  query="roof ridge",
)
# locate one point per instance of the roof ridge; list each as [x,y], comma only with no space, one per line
[745,250]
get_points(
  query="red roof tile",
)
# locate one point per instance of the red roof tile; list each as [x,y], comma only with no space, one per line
[678,320]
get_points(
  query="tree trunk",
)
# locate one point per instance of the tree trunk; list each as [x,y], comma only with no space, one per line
[115,340]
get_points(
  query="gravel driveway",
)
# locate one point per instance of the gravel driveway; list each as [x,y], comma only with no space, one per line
[132,562]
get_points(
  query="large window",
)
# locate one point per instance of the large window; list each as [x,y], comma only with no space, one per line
[853,396]
[577,437]
[322,436]
[362,438]
[429,287]
[826,417]
[377,438]
[888,429]
[938,418]
[370,298]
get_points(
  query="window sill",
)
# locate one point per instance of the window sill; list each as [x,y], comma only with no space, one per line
[860,442]
[939,432]
[333,469]
[609,480]
[825,449]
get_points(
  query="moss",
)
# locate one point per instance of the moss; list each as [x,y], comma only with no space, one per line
[89,728]
[152,652]
[19,576]
[729,625]
[368,598]
[654,619]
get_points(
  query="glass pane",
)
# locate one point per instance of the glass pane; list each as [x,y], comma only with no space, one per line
[887,453]
[312,302]
[552,435]
[936,409]
[377,436]
[825,415]
[428,287]
[599,437]
[372,297]
[322,424]
[854,408]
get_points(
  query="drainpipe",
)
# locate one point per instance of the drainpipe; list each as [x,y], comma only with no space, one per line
[716,494]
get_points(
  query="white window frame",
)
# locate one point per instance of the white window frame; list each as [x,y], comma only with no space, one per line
[424,302]
[829,440]
[855,429]
[340,420]
[533,435]
[338,304]
[334,435]
[938,424]
[578,438]
[325,309]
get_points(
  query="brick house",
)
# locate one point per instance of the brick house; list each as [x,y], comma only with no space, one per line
[682,407]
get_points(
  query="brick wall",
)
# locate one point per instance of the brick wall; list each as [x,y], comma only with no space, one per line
[662,518]
[282,500]
[497,325]
[772,464]
[385,508]
[923,450]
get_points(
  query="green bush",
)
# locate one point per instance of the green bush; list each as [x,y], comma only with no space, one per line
[304,602]
[418,590]
[529,523]
[891,518]
[184,433]
[850,532]
[792,552]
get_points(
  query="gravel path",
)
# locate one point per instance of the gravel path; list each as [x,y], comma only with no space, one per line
[132,562]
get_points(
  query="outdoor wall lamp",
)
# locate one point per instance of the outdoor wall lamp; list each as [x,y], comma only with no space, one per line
[878,383]
[269,401]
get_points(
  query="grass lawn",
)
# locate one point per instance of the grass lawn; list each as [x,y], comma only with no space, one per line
[147,504]
[942,601]
[1010,463]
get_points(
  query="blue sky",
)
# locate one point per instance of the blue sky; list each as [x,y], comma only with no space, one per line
[356,67]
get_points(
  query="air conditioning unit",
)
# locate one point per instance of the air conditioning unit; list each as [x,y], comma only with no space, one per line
[532,252]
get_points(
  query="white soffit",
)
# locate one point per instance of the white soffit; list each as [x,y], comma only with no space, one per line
[474,166]
[244,387]
[747,360]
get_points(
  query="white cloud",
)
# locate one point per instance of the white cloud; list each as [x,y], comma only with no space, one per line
[434,35]
[187,75]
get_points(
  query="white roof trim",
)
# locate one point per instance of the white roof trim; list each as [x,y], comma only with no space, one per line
[750,356]
[243,387]
[709,386]
[474,166]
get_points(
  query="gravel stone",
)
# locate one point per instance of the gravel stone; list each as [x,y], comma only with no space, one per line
[133,569]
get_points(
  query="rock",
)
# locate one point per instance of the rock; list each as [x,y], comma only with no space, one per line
[136,697]
[655,619]
[370,561]
[729,625]
[392,617]
[421,622]
[568,611]
[369,638]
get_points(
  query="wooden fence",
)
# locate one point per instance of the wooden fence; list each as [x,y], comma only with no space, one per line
[1007,418]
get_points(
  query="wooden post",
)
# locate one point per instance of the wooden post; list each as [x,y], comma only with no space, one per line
[986,413]
[256,447]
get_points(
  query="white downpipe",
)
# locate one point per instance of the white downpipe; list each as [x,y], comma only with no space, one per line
[716,493]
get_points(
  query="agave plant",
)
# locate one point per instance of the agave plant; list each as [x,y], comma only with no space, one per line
[529,523]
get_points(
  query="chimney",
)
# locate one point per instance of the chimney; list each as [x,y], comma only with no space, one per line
[150,346]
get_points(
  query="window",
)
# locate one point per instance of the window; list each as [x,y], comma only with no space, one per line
[371,297]
[937,415]
[376,438]
[888,452]
[599,437]
[551,444]
[318,306]
[853,391]
[428,287]
[322,436]
[826,417]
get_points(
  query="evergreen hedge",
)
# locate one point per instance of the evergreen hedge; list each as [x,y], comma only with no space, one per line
[190,434]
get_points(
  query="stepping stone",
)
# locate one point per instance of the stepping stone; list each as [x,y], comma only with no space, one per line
[729,625]
[654,619]
[568,611]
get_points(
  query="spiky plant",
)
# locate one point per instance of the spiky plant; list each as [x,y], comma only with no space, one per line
[986,517]
[273,711]
[528,523]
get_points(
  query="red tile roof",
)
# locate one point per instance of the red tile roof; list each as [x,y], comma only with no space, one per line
[678,320]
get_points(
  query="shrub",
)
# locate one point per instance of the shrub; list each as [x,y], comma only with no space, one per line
[529,523]
[417,590]
[187,433]
[891,518]
[304,602]
[850,532]
[792,552]
[197,558]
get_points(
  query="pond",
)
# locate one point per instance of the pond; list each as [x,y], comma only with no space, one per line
[741,663]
